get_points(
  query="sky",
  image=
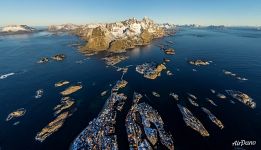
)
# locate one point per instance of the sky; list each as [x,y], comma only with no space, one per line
[203,12]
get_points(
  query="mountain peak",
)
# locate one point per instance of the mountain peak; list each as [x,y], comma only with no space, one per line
[17,28]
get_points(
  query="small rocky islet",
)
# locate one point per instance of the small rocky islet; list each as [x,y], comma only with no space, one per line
[231,74]
[16,114]
[39,93]
[61,111]
[199,62]
[65,103]
[71,89]
[150,70]
[52,127]
[144,125]
[61,83]
[57,57]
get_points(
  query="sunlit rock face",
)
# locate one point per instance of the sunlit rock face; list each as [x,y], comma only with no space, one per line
[119,35]
[98,40]
[121,44]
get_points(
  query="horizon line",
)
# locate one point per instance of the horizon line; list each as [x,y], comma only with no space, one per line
[176,24]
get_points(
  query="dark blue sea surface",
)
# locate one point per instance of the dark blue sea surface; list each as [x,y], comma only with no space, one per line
[235,50]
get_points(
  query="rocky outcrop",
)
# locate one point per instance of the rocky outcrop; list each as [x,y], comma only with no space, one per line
[150,70]
[169,51]
[58,57]
[121,44]
[114,59]
[199,62]
[146,37]
[71,89]
[52,127]
[98,40]
[15,114]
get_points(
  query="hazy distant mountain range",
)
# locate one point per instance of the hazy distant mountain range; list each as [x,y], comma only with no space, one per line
[17,29]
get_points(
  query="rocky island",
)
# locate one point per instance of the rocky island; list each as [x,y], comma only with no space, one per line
[213,118]
[199,62]
[52,127]
[71,89]
[65,103]
[117,36]
[150,70]
[192,121]
[100,133]
[16,29]
[61,83]
[145,127]
[242,97]
[15,114]
[114,59]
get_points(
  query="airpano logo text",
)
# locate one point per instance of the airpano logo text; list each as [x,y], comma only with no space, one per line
[243,143]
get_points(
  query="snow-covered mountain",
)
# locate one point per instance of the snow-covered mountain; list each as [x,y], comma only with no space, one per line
[118,35]
[63,27]
[17,28]
[167,26]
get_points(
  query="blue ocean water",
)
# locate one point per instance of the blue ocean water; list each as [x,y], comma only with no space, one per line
[236,50]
